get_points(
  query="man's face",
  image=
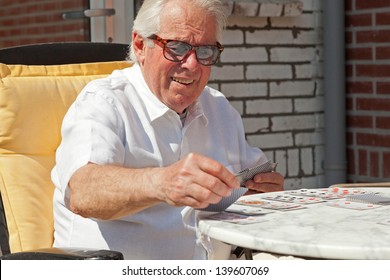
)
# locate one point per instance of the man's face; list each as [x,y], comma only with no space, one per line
[179,84]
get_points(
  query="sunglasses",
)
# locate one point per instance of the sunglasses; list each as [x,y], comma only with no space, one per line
[176,51]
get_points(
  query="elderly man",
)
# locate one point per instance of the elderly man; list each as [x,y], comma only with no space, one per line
[146,142]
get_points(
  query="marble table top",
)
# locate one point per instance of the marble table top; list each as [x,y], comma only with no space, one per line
[316,231]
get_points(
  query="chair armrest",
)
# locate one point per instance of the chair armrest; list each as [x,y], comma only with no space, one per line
[64,254]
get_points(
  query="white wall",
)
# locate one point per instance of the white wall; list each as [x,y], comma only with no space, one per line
[271,71]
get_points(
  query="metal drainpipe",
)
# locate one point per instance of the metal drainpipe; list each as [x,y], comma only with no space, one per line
[334,86]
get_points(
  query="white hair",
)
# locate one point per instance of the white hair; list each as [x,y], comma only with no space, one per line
[147,21]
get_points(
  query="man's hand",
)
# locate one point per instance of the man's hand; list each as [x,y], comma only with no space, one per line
[195,181]
[265,182]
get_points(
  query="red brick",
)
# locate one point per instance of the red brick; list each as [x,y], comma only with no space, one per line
[373,70]
[386,165]
[383,52]
[382,122]
[383,18]
[383,87]
[360,121]
[349,70]
[362,162]
[14,32]
[374,164]
[350,137]
[373,36]
[6,22]
[16,2]
[50,6]
[359,54]
[371,4]
[373,140]
[373,104]
[349,104]
[351,162]
[34,8]
[72,4]
[358,20]
[13,11]
[359,87]
[348,37]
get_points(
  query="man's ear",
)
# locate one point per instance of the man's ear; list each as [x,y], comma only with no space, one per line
[139,45]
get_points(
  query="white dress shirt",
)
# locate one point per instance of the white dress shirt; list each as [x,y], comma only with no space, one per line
[118,120]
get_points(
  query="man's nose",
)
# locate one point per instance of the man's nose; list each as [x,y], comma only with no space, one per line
[190,61]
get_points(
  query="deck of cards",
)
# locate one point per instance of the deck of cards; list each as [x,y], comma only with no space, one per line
[242,176]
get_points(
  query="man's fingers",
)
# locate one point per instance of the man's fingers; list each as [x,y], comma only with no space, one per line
[266,182]
[269,177]
[263,187]
[197,181]
[194,196]
[216,169]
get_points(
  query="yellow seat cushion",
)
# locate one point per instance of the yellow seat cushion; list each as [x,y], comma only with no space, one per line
[33,102]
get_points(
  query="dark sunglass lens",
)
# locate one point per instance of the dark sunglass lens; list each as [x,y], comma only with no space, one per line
[177,48]
[207,55]
[205,52]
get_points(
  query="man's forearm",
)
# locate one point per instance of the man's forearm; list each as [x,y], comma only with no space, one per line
[110,192]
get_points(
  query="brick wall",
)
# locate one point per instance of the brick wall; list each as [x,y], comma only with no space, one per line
[271,72]
[27,22]
[368,89]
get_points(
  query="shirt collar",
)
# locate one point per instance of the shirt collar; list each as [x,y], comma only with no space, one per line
[196,110]
[154,106]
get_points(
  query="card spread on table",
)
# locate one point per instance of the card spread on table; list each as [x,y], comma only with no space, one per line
[271,205]
[237,218]
[328,193]
[294,199]
[252,202]
[347,191]
[283,206]
[247,210]
[320,193]
[243,176]
[370,198]
[343,203]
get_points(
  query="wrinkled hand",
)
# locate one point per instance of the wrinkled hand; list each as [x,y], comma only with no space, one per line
[195,181]
[265,182]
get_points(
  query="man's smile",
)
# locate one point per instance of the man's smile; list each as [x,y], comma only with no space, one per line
[182,80]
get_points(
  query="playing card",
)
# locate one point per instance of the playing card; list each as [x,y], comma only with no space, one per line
[252,202]
[247,210]
[370,198]
[320,193]
[282,206]
[352,205]
[226,201]
[294,199]
[267,204]
[249,173]
[328,193]
[243,176]
[342,192]
[237,218]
